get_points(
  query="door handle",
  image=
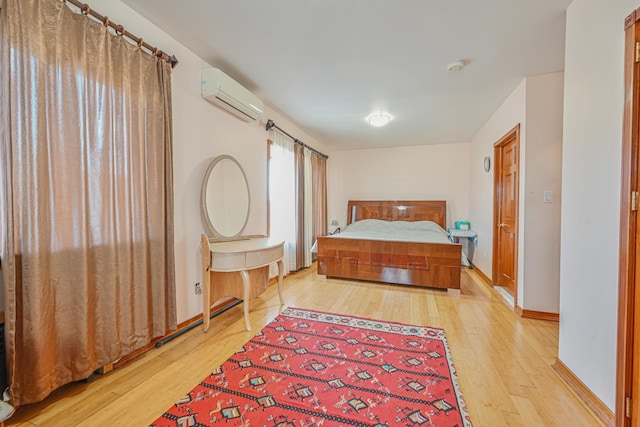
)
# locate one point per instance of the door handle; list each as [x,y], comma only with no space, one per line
[502,225]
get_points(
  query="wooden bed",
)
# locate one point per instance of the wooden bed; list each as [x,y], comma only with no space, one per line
[434,265]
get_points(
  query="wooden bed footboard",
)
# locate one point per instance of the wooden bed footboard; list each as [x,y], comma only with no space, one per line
[409,263]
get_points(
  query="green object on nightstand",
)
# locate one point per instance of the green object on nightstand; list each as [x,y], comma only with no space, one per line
[463,225]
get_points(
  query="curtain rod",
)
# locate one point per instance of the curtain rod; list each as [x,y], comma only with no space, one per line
[272,124]
[86,10]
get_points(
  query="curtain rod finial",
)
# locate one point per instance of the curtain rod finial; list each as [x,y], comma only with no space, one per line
[269,124]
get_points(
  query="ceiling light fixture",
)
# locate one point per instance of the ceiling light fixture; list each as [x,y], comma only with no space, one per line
[456,66]
[379,119]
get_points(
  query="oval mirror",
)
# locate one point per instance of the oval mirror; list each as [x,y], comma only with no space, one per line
[225,198]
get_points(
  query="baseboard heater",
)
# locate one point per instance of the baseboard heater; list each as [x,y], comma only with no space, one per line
[176,334]
[159,343]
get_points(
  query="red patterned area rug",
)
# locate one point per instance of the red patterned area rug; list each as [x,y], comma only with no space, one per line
[308,368]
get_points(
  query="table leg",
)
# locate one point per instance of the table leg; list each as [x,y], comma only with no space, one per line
[245,302]
[206,291]
[470,249]
[280,275]
[206,283]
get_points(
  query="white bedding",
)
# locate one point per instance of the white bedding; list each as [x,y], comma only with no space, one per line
[398,231]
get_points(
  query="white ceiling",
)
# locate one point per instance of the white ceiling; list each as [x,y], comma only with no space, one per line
[328,64]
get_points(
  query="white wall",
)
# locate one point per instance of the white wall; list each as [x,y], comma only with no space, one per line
[593,109]
[536,104]
[426,172]
[506,117]
[202,131]
[542,156]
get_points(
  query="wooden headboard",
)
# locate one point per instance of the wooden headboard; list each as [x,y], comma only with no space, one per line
[398,210]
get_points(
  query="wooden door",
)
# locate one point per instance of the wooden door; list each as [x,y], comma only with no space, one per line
[505,250]
[627,410]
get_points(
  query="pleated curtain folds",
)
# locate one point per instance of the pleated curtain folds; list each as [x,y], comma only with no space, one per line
[308,207]
[319,196]
[282,196]
[297,198]
[298,156]
[86,196]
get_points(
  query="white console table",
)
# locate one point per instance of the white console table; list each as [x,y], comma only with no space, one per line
[238,269]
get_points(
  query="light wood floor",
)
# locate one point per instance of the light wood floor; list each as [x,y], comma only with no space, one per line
[503,361]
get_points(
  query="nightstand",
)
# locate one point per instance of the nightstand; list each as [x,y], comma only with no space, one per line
[470,235]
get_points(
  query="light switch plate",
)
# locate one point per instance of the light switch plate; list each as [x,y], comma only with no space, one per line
[548,196]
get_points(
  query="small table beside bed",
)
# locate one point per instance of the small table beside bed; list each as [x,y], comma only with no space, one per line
[401,242]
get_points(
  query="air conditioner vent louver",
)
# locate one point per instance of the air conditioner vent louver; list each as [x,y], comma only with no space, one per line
[221,90]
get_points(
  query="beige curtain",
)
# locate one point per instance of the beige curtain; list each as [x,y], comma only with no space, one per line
[308,208]
[86,196]
[311,202]
[319,196]
[298,158]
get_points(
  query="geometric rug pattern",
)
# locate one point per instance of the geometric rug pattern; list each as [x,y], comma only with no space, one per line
[309,368]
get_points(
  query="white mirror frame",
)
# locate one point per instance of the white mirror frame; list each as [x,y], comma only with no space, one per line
[203,199]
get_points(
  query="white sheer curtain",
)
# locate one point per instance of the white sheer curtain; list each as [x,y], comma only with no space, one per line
[308,208]
[282,196]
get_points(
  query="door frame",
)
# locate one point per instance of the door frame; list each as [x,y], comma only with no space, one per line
[513,134]
[628,227]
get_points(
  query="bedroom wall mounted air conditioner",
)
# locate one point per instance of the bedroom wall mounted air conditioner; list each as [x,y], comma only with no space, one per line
[221,90]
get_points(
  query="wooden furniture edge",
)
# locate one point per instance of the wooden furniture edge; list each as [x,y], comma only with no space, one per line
[273,280]
[432,210]
[106,369]
[332,264]
[539,315]
[586,396]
